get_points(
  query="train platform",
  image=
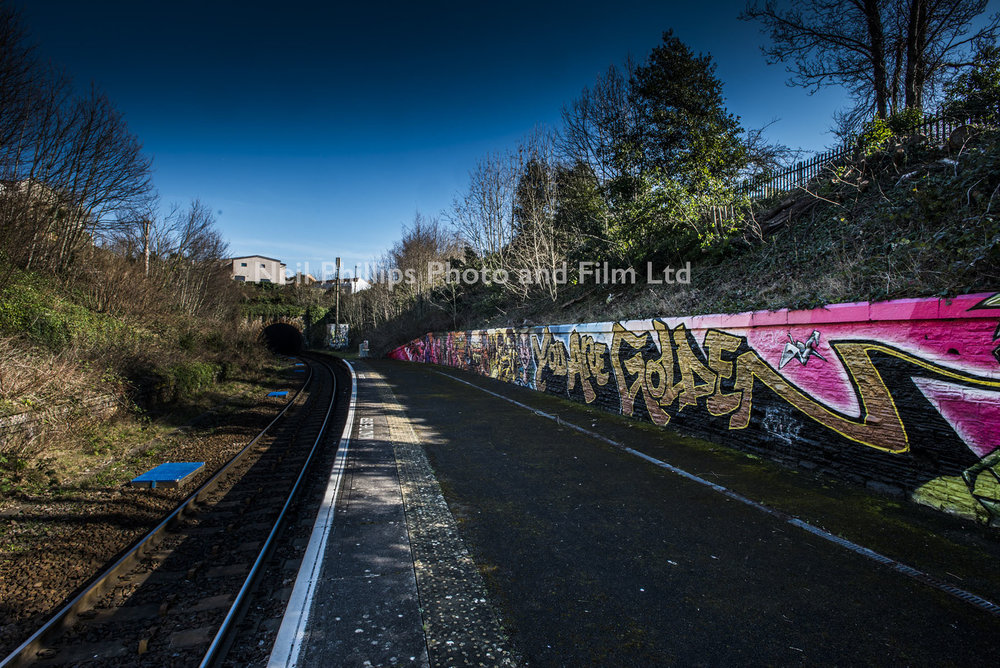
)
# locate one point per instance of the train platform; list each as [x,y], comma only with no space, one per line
[386,579]
[573,537]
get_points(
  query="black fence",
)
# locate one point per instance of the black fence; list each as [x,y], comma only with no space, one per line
[937,129]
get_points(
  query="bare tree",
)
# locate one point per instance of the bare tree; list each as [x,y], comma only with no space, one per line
[195,249]
[107,175]
[424,242]
[538,248]
[72,175]
[602,127]
[19,74]
[32,101]
[484,215]
[889,54]
[68,166]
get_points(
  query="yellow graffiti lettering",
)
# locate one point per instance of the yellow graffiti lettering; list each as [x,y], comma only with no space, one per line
[880,425]
[586,363]
[549,354]
[541,352]
[634,365]
[690,366]
[655,378]
[652,377]
[663,367]
[716,342]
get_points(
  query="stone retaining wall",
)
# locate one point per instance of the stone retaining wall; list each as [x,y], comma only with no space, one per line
[21,428]
[901,396]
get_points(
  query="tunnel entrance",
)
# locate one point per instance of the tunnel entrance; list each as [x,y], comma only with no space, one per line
[283,338]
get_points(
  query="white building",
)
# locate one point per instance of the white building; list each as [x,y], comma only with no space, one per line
[348,286]
[258,269]
[353,285]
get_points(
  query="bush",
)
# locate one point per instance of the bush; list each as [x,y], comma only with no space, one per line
[192,377]
[183,380]
[215,341]
[906,122]
[186,341]
[878,133]
[30,307]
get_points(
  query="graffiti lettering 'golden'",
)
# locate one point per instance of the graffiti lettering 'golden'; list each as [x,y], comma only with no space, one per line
[679,376]
[655,378]
[586,363]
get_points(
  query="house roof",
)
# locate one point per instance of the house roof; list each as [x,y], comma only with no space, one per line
[262,257]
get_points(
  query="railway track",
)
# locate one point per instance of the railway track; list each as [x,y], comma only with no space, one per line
[177,595]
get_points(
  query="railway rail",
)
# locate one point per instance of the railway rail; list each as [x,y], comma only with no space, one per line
[176,596]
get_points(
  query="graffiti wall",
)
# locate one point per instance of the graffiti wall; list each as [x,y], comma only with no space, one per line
[903,396]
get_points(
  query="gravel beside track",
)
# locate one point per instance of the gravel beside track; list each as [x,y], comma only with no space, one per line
[252,640]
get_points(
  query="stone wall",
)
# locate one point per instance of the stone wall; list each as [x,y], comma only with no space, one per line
[21,429]
[901,396]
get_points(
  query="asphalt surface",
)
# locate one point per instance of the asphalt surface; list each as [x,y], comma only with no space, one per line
[365,605]
[393,584]
[593,556]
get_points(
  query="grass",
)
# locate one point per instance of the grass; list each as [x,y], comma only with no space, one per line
[60,354]
[33,307]
[98,453]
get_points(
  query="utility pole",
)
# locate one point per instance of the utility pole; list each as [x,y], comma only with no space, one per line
[146,225]
[336,317]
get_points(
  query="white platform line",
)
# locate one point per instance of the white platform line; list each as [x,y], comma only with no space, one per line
[920,576]
[291,633]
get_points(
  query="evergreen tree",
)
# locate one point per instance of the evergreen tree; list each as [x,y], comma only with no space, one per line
[976,92]
[687,133]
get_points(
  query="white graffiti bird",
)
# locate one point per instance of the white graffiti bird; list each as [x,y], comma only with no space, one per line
[800,350]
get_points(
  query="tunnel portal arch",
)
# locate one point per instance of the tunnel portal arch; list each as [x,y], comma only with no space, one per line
[283,338]
[283,335]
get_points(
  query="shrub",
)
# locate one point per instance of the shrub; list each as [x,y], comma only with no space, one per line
[30,307]
[183,380]
[186,341]
[192,377]
[215,341]
[904,123]
[878,133]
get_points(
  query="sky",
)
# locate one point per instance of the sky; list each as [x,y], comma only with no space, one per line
[319,129]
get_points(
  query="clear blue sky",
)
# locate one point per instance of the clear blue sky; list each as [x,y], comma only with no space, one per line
[317,129]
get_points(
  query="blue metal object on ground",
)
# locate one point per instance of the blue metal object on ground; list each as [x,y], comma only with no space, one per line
[171,474]
[283,393]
